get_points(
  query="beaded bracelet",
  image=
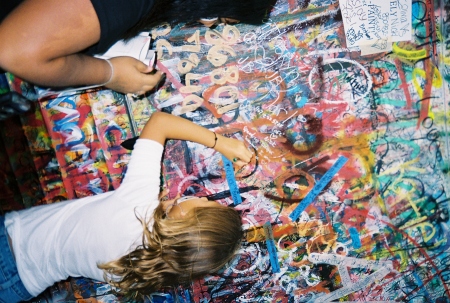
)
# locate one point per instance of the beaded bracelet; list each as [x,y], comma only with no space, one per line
[215,140]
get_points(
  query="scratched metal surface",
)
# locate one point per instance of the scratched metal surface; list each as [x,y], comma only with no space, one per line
[378,231]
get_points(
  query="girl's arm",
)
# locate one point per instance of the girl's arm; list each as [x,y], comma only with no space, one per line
[162,126]
[41,41]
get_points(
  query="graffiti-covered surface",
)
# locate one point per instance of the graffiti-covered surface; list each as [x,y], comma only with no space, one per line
[86,131]
[352,158]
[347,197]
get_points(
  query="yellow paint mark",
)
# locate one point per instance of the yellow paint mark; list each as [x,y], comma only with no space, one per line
[413,222]
[437,83]
[409,54]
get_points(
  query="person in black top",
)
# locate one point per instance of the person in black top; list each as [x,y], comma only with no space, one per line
[50,43]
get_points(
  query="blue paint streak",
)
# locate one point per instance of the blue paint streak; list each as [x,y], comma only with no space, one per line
[231,180]
[326,178]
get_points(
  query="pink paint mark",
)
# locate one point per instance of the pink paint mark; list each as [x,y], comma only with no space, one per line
[169,76]
[292,5]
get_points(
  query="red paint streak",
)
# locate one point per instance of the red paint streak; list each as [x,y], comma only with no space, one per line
[433,38]
[404,84]
[429,68]
[354,217]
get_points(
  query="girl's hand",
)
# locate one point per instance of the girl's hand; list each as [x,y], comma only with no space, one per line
[234,150]
[132,76]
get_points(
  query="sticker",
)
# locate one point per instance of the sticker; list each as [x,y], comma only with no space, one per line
[373,25]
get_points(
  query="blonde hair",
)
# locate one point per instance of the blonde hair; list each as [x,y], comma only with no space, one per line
[177,251]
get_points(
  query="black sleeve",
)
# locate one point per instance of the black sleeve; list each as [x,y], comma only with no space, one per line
[116,17]
[7,6]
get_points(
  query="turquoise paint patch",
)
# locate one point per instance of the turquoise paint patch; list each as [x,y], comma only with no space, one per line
[302,102]
[354,235]
[396,103]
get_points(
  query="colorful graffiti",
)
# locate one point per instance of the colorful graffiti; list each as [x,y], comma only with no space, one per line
[90,163]
[347,197]
[304,102]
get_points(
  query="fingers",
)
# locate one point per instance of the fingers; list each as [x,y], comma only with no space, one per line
[249,155]
[242,155]
[150,81]
[244,159]
[133,76]
[245,155]
[144,68]
[240,163]
[151,78]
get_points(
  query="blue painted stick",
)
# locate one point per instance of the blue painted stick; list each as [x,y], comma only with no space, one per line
[326,178]
[270,242]
[231,180]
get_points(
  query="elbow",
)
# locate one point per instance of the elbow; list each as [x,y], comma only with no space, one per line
[21,66]
[158,115]
[8,58]
[157,118]
[20,60]
[157,121]
[10,55]
[156,128]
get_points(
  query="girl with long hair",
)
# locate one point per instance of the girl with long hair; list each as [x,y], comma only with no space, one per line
[50,43]
[126,237]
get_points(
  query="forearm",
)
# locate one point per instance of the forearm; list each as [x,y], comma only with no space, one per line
[44,41]
[70,70]
[162,126]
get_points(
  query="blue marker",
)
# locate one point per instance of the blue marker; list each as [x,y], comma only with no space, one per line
[326,178]
[231,180]
[356,241]
[270,242]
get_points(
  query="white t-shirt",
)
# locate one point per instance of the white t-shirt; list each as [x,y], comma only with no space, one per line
[55,241]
